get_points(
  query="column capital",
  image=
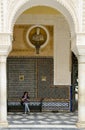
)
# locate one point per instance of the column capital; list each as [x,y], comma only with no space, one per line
[80,43]
[73,45]
[3,59]
[5,43]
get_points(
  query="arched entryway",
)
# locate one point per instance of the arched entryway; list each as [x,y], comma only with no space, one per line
[56,5]
[38,69]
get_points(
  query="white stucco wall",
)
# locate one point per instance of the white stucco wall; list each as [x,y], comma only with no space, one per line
[62,51]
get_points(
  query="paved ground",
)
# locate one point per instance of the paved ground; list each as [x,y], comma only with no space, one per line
[43,118]
[42,121]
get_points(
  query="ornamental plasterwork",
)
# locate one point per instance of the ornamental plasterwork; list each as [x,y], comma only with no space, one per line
[83,26]
[1,14]
[70,6]
[21,6]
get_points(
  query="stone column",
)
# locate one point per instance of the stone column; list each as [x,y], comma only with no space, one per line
[81,94]
[5,47]
[3,91]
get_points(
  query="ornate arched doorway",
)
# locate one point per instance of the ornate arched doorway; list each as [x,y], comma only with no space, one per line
[35,45]
[21,6]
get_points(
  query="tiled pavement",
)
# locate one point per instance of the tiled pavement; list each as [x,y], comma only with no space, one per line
[42,121]
[43,118]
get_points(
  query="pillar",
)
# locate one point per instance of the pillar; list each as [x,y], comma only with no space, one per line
[3,92]
[5,47]
[81,94]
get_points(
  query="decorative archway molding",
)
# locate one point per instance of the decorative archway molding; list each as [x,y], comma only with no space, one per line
[60,5]
[65,8]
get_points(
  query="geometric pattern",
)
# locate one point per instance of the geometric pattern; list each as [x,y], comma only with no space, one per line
[44,105]
[54,106]
[53,119]
[40,69]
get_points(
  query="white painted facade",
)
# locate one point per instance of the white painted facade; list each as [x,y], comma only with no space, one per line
[74,12]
